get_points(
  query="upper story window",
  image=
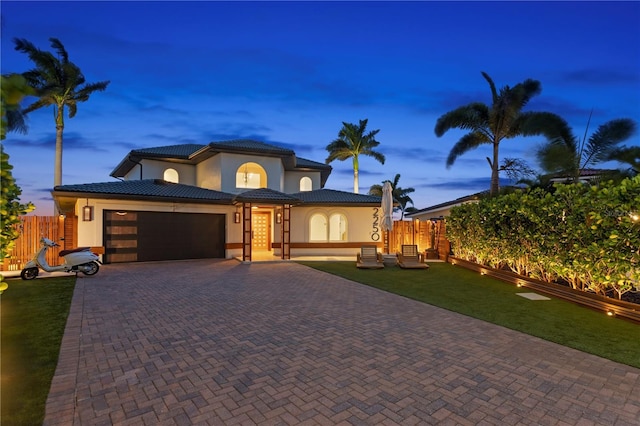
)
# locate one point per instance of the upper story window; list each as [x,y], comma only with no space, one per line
[251,175]
[305,184]
[171,175]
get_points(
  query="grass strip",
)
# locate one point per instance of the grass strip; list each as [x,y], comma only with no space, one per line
[33,315]
[466,292]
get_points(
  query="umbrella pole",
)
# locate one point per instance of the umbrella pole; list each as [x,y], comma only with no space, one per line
[387,241]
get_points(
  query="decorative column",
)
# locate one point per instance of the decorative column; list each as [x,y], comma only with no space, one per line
[285,232]
[247,232]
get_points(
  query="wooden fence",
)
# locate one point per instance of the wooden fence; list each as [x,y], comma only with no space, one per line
[425,234]
[32,228]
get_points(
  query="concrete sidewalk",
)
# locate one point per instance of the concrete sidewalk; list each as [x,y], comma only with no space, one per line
[223,343]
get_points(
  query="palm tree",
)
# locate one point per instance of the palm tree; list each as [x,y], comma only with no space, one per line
[58,83]
[353,142]
[629,156]
[400,195]
[503,119]
[569,156]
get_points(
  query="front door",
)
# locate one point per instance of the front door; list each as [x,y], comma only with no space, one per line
[260,225]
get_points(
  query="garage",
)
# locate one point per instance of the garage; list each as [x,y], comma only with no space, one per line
[142,236]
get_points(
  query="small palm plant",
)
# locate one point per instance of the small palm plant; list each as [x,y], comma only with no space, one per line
[400,195]
[569,157]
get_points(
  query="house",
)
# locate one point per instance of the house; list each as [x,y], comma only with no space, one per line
[238,198]
[441,210]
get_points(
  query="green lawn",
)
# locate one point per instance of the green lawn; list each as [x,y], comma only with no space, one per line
[33,316]
[469,293]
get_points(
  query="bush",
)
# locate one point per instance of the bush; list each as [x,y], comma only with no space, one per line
[586,236]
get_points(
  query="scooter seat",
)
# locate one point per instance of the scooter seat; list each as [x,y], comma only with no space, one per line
[75,250]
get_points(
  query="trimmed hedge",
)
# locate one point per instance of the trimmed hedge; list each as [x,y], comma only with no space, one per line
[586,236]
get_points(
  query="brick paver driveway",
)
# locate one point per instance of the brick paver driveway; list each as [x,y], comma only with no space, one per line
[219,342]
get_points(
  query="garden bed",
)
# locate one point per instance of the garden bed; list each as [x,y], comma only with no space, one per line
[608,305]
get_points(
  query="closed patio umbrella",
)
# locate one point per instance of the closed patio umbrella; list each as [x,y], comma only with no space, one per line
[387,212]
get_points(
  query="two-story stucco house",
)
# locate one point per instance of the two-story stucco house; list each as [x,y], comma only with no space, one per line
[239,198]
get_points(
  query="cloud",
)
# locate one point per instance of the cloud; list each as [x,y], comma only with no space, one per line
[599,76]
[361,172]
[470,184]
[72,141]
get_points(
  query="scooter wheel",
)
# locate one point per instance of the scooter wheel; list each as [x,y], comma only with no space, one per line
[91,268]
[29,273]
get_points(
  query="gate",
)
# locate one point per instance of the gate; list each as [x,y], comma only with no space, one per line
[32,228]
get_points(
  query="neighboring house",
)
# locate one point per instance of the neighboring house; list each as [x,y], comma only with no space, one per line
[439,211]
[586,176]
[236,198]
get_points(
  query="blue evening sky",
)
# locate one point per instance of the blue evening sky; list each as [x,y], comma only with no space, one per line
[289,73]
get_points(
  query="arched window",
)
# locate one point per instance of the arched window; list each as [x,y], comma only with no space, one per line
[171,175]
[318,227]
[251,175]
[334,229]
[337,227]
[305,184]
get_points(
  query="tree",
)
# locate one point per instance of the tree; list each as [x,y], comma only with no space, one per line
[353,142]
[503,119]
[14,89]
[10,208]
[58,83]
[628,156]
[568,156]
[400,195]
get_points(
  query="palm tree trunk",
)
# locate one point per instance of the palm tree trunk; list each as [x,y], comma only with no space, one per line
[356,185]
[495,176]
[57,168]
[57,172]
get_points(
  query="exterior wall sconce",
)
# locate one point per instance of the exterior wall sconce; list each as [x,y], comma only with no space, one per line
[87,213]
[236,217]
[278,217]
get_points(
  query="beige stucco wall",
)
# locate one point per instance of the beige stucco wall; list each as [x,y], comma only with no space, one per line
[292,181]
[361,229]
[229,164]
[208,174]
[153,169]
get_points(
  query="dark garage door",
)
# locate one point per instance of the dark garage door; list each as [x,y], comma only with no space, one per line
[133,236]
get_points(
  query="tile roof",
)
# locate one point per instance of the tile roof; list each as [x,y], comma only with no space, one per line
[332,196]
[266,195]
[170,151]
[154,188]
[250,145]
[160,190]
[303,162]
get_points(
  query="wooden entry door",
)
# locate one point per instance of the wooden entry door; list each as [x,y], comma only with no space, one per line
[260,225]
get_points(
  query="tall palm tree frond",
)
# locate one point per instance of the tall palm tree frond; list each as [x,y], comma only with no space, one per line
[606,138]
[627,155]
[466,143]
[568,157]
[353,142]
[490,124]
[58,83]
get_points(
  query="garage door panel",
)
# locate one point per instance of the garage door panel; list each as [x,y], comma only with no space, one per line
[149,236]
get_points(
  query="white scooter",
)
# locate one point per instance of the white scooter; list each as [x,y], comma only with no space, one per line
[80,259]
